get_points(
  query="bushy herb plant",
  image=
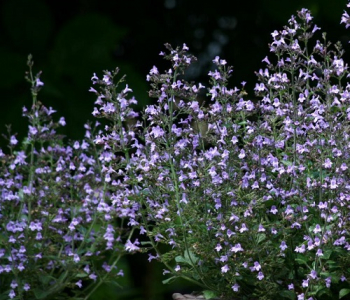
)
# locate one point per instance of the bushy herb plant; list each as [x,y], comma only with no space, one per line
[248,198]
[57,238]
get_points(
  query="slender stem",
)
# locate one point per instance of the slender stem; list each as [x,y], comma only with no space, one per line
[96,286]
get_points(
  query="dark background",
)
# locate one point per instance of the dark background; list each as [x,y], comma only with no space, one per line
[72,39]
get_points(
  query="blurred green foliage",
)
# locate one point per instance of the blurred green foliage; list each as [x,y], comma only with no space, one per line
[67,54]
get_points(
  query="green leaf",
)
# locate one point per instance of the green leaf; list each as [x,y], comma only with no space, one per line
[168,280]
[326,254]
[181,259]
[209,294]
[343,292]
[62,277]
[261,237]
[45,279]
[288,294]
[40,294]
[190,257]
[301,261]
[268,203]
[114,283]
[146,243]
[3,239]
[287,162]
[335,278]
[145,192]
[322,291]
[331,262]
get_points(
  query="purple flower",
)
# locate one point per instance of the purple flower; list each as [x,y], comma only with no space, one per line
[255,185]
[219,61]
[234,140]
[317,229]
[305,283]
[273,231]
[266,60]
[154,71]
[131,247]
[236,248]
[12,294]
[273,209]
[94,78]
[76,258]
[313,274]
[260,87]
[333,185]
[157,132]
[241,155]
[327,163]
[319,252]
[243,228]
[283,246]
[235,287]
[260,276]
[345,19]
[108,108]
[107,79]
[93,276]
[87,269]
[223,258]
[256,267]
[38,82]
[13,140]
[261,228]
[218,247]
[13,284]
[225,269]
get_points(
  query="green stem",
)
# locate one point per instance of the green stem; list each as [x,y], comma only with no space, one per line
[96,286]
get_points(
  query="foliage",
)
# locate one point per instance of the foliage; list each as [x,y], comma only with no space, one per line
[248,199]
[56,237]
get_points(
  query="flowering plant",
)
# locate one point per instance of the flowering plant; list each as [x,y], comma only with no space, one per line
[246,198]
[56,240]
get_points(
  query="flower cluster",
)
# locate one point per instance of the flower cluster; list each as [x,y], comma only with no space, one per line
[56,234]
[250,195]
[248,198]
